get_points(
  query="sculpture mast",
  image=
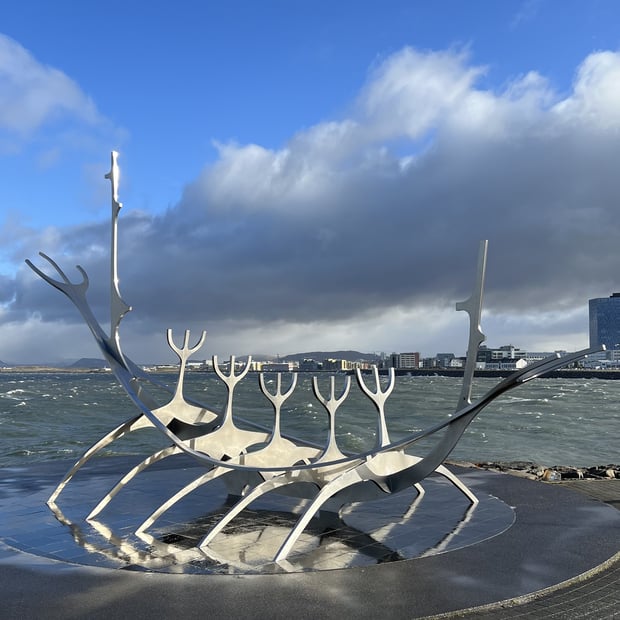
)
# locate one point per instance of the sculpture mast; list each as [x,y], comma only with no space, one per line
[473,307]
[118,308]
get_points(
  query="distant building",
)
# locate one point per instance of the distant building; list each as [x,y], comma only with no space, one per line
[506,364]
[337,365]
[605,321]
[405,360]
[537,356]
[309,365]
[444,359]
[506,356]
[409,360]
[505,352]
[429,362]
[278,367]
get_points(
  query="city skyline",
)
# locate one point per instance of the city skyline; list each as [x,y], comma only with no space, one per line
[310,177]
[510,351]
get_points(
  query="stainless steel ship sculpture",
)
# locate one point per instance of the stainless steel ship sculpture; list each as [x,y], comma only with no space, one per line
[253,460]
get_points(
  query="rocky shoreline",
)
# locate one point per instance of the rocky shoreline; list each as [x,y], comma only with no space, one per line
[533,471]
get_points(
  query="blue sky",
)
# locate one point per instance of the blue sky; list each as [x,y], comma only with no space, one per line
[310,175]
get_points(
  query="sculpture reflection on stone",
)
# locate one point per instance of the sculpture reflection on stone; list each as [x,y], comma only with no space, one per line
[254,460]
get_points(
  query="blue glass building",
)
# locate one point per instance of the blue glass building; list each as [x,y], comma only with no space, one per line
[605,321]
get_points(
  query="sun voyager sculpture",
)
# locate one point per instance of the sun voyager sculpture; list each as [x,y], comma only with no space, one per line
[254,461]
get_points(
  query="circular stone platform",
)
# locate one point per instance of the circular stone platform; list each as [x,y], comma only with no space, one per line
[403,557]
[398,527]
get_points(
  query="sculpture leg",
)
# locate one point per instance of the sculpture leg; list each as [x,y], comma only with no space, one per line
[126,427]
[446,473]
[415,503]
[341,482]
[244,502]
[132,473]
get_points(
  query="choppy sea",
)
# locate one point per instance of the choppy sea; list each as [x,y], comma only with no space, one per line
[48,416]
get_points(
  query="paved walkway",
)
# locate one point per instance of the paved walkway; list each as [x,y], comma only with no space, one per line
[595,595]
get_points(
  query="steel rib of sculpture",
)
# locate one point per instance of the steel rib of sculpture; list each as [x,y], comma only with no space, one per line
[262,460]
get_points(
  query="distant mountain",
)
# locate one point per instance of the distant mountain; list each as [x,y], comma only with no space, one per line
[3,365]
[89,362]
[319,356]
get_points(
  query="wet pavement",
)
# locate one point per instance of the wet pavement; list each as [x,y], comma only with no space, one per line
[594,594]
[528,549]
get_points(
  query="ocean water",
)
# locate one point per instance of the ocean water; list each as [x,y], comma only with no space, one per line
[50,416]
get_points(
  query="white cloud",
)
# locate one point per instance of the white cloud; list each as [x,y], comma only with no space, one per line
[595,101]
[410,92]
[32,94]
